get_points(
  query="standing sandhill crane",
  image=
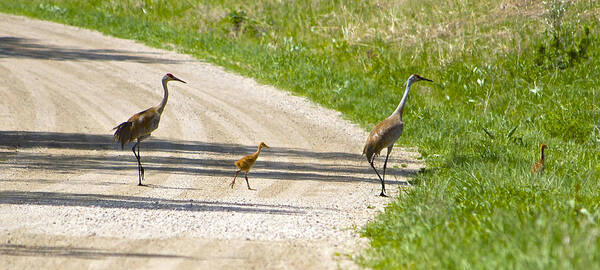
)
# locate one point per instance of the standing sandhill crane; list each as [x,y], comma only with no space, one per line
[539,166]
[140,125]
[246,163]
[387,132]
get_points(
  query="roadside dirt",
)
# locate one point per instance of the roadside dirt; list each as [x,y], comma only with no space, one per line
[68,195]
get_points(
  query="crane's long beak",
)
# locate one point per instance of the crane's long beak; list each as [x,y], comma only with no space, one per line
[425,79]
[177,79]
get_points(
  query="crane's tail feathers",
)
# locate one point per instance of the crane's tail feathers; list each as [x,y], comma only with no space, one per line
[364,152]
[368,155]
[123,133]
[362,156]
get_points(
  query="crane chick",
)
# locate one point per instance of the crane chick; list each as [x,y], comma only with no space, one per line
[140,125]
[539,166]
[246,163]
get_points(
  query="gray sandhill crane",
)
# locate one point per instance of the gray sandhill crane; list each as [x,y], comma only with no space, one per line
[246,163]
[387,132]
[539,166]
[140,125]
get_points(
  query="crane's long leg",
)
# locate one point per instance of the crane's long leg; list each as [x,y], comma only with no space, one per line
[248,183]
[140,162]
[137,158]
[140,167]
[382,182]
[389,150]
[234,176]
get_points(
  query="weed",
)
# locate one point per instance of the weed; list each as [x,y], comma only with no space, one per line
[241,23]
[565,44]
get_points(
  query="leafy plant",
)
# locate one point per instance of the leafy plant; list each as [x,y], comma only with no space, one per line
[565,44]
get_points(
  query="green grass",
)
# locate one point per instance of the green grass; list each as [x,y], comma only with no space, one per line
[497,65]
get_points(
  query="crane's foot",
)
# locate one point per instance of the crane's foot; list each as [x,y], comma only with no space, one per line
[383,194]
[249,188]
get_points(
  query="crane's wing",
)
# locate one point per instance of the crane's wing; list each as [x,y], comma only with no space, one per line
[144,122]
[382,136]
[246,162]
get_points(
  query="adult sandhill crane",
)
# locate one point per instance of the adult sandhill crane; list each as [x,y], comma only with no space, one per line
[387,132]
[539,166]
[246,163]
[140,125]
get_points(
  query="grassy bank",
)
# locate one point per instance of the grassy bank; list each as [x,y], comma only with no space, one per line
[526,71]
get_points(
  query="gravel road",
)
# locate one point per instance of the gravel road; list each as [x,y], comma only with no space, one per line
[69,197]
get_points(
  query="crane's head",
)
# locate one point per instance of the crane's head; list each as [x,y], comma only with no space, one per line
[415,78]
[170,77]
[262,144]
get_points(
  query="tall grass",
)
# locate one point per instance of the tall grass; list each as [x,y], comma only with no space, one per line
[525,71]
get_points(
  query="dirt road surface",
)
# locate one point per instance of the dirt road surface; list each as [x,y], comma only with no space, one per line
[69,197]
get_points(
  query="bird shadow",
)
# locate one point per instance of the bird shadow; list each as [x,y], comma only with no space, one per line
[16,47]
[213,161]
[77,252]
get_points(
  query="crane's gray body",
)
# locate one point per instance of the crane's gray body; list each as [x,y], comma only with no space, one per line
[384,135]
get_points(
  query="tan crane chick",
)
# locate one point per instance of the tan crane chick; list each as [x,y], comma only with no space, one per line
[539,166]
[385,134]
[140,125]
[246,163]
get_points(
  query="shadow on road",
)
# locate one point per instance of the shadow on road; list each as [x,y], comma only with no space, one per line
[321,166]
[132,202]
[81,253]
[16,47]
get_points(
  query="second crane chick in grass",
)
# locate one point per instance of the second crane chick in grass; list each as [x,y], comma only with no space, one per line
[539,166]
[246,163]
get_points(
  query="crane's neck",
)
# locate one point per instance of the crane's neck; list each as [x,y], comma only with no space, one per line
[542,155]
[163,103]
[255,155]
[399,110]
